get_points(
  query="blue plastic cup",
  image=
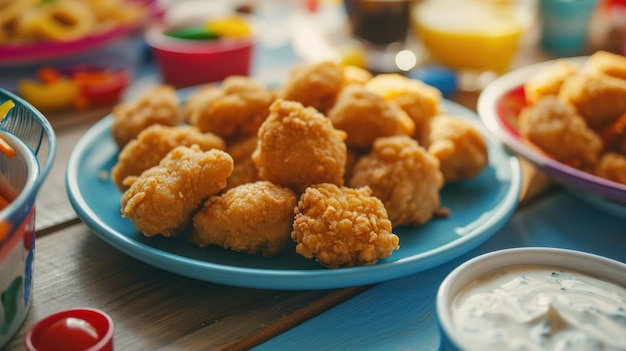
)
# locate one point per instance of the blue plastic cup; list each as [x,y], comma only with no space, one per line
[565,26]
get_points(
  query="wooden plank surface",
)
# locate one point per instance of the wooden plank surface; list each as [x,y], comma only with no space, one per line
[154,309]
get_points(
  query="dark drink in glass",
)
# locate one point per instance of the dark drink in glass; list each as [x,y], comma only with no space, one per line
[379,22]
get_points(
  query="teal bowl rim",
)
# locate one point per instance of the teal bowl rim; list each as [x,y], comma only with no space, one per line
[47,129]
[19,207]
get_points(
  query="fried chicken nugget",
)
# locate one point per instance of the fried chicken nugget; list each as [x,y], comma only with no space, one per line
[458,145]
[608,63]
[547,81]
[251,218]
[314,84]
[598,98]
[197,98]
[342,227]
[556,128]
[418,99]
[298,147]
[233,110]
[159,105]
[164,198]
[352,157]
[614,135]
[365,116]
[612,166]
[152,144]
[355,75]
[404,176]
[245,170]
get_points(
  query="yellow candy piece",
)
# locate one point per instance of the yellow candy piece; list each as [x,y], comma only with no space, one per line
[53,96]
[6,107]
[230,27]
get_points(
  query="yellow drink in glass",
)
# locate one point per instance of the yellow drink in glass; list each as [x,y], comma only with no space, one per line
[470,34]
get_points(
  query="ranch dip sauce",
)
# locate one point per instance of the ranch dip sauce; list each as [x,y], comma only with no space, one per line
[533,307]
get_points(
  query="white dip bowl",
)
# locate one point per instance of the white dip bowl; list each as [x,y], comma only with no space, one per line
[545,297]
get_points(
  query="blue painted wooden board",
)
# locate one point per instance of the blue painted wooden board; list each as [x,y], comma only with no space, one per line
[400,314]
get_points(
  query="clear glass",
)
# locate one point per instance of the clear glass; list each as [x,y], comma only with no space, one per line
[382,26]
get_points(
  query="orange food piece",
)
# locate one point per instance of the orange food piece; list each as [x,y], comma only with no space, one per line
[3,202]
[6,148]
[48,75]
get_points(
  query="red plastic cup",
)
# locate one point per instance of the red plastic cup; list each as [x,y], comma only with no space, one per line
[78,329]
[187,62]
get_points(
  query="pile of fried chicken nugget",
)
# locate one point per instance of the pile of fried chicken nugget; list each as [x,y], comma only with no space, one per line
[333,159]
[576,113]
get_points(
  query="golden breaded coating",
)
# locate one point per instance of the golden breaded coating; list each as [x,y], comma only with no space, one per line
[159,105]
[598,98]
[418,99]
[152,144]
[314,84]
[365,116]
[608,63]
[245,170]
[355,75]
[612,166]
[404,176]
[298,147]
[234,110]
[614,135]
[547,81]
[197,98]
[164,198]
[352,156]
[556,128]
[254,218]
[342,227]
[458,145]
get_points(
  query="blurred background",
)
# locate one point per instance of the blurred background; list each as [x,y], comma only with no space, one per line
[66,56]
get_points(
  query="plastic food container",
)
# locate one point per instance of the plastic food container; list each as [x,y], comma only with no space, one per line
[188,62]
[473,272]
[21,177]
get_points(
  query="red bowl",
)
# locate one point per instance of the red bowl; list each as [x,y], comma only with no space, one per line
[187,62]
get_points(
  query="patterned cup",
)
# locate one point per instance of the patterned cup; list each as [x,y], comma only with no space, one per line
[21,176]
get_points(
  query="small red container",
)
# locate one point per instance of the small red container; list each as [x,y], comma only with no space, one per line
[187,62]
[35,339]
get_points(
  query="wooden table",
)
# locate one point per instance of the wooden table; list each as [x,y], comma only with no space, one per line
[156,310]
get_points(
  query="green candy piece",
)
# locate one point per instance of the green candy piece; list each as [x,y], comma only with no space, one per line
[194,33]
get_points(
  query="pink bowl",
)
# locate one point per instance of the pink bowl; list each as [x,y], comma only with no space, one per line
[186,62]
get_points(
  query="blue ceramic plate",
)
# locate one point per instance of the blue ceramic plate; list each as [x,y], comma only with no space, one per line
[479,207]
[499,106]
